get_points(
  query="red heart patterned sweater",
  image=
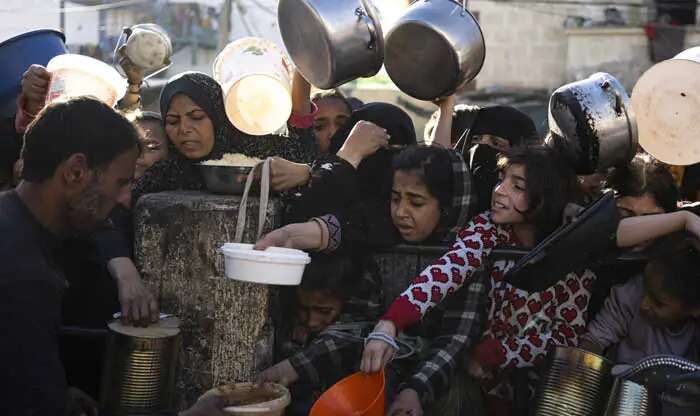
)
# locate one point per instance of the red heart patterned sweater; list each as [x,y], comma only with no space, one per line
[521,326]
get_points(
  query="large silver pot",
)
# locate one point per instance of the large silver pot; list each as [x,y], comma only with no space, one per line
[595,117]
[434,49]
[332,42]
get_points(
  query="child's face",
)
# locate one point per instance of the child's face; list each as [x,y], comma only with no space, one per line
[509,199]
[660,308]
[414,210]
[318,309]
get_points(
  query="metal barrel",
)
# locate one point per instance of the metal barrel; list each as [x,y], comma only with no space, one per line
[576,383]
[628,398]
[139,373]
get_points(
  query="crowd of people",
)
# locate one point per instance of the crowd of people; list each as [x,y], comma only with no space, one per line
[464,337]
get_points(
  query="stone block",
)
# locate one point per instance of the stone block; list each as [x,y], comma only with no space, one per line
[226,326]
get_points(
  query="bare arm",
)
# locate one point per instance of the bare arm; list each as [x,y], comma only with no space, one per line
[301,236]
[637,230]
[301,95]
[442,135]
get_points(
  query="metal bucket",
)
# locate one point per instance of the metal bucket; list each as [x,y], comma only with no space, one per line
[628,398]
[140,366]
[576,382]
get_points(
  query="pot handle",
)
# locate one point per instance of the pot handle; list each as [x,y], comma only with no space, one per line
[371,27]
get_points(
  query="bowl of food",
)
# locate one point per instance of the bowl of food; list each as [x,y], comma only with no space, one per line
[267,399]
[274,266]
[227,175]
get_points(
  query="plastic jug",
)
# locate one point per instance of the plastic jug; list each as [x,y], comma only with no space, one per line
[256,79]
[75,75]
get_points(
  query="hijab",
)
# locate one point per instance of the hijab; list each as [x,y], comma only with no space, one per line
[506,123]
[375,173]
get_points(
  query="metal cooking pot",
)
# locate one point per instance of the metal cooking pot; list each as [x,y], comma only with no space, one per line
[332,42]
[434,49]
[595,117]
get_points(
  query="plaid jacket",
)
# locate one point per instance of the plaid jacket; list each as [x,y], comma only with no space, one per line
[336,352]
[461,326]
[457,323]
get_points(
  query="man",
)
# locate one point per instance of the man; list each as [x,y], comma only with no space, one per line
[79,156]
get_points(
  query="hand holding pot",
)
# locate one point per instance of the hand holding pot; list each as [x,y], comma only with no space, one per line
[286,175]
[35,88]
[378,353]
[281,373]
[364,140]
[207,405]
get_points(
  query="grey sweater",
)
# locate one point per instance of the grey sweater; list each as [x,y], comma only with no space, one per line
[619,325]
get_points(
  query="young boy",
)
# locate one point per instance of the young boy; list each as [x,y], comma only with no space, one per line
[656,313]
[337,305]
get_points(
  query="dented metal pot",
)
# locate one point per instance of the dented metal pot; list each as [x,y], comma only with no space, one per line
[595,117]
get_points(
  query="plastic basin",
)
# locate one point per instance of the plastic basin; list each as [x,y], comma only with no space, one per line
[355,395]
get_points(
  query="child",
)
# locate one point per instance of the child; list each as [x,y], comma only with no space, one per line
[337,302]
[656,313]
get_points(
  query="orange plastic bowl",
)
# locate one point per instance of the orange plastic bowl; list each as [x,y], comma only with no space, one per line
[355,395]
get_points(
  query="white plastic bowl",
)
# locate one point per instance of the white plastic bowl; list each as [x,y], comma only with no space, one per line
[274,266]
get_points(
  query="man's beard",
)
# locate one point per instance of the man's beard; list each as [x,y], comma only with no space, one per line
[85,211]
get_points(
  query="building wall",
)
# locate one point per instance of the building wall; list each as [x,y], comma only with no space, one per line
[81,25]
[527,46]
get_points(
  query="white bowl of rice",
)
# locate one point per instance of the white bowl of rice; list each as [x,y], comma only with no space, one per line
[228,174]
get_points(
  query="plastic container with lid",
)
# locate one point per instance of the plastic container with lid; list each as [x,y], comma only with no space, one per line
[75,75]
[274,266]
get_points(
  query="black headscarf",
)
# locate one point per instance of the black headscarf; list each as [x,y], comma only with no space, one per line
[375,172]
[206,93]
[506,123]
[181,173]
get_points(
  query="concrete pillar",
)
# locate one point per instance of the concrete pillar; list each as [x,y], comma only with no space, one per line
[226,326]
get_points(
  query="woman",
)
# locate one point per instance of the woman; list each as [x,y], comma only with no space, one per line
[528,203]
[332,114]
[195,120]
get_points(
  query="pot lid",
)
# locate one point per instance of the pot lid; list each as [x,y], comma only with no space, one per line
[666,101]
[165,328]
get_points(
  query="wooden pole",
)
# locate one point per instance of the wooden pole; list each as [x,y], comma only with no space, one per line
[224,24]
